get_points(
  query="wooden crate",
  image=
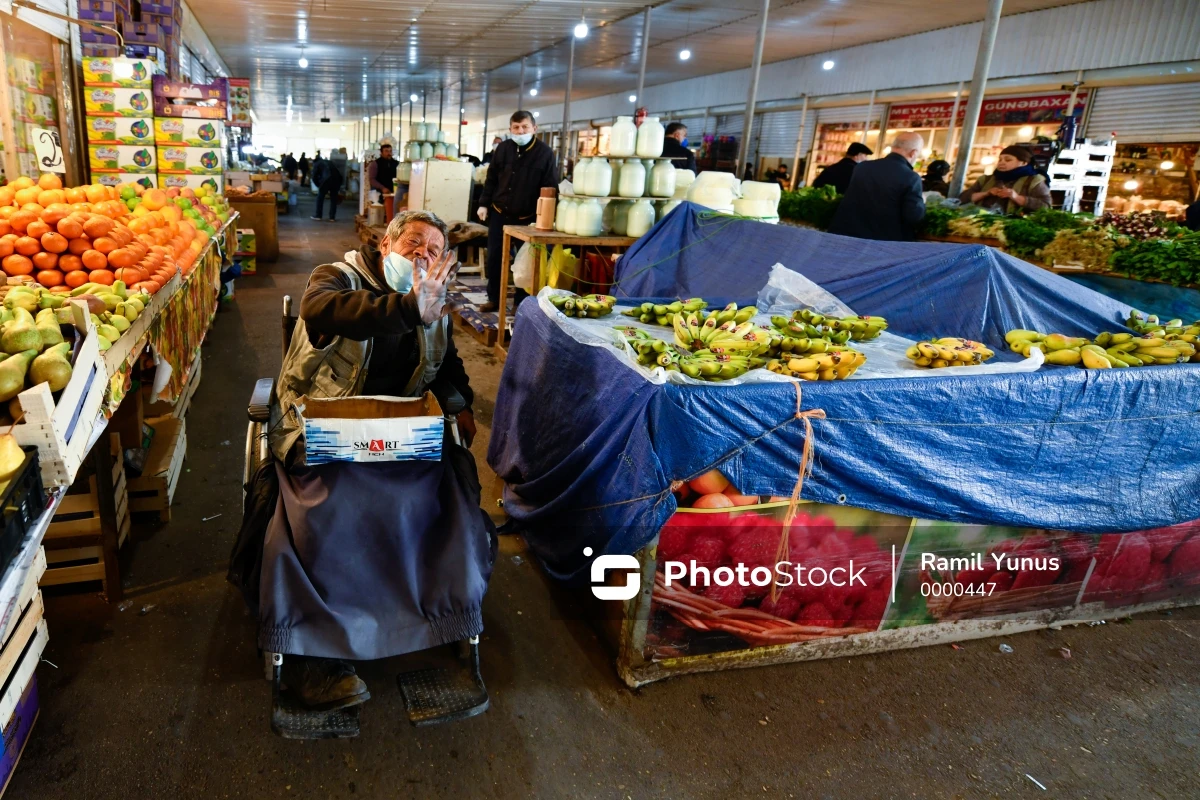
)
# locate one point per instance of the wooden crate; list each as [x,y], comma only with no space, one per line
[72,542]
[61,431]
[155,489]
[20,653]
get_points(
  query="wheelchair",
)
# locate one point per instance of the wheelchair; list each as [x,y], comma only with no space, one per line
[431,696]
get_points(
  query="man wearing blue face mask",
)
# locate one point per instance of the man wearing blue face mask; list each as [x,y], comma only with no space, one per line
[675,146]
[521,167]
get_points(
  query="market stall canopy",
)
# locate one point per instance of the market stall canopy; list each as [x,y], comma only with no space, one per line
[1062,448]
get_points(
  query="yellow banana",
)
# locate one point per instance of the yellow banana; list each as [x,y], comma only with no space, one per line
[1093,360]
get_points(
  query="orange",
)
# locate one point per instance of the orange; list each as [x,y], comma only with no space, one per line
[76,278]
[27,246]
[51,196]
[94,259]
[55,212]
[6,248]
[6,195]
[20,220]
[37,229]
[49,277]
[154,199]
[45,260]
[69,227]
[69,263]
[22,182]
[5,227]
[95,193]
[79,245]
[101,276]
[16,265]
[104,244]
[48,180]
[97,227]
[121,257]
[54,242]
[29,195]
[75,195]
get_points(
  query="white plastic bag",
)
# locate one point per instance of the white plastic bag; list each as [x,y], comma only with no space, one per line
[787,290]
[522,268]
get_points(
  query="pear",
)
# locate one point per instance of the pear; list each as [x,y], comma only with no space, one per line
[14,408]
[119,322]
[118,288]
[47,327]
[12,373]
[11,457]
[20,334]
[20,297]
[52,367]
[107,331]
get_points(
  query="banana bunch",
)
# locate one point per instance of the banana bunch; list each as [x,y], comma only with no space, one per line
[790,335]
[837,363]
[948,352]
[592,306]
[1172,330]
[837,330]
[704,364]
[663,314]
[1109,350]
[734,335]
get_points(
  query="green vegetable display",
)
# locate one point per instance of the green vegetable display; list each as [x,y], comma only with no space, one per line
[1024,237]
[813,206]
[1172,260]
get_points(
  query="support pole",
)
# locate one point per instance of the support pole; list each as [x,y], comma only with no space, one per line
[950,149]
[1074,96]
[752,94]
[645,53]
[563,146]
[983,62]
[487,99]
[799,145]
[441,106]
[521,86]
[867,124]
[424,94]
[462,100]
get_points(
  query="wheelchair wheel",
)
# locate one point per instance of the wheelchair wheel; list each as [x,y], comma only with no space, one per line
[257,453]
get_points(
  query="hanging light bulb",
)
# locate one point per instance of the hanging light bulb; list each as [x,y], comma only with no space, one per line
[685,54]
[828,65]
[633,98]
[1130,185]
[303,61]
[412,98]
[1167,165]
[581,30]
[366,119]
[533,92]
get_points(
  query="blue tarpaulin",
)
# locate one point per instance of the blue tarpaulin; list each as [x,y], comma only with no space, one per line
[588,447]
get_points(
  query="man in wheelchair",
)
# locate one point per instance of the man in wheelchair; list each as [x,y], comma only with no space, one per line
[366,561]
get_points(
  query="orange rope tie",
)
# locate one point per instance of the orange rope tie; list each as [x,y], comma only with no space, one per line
[806,459]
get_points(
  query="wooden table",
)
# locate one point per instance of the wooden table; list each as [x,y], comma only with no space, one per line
[532,235]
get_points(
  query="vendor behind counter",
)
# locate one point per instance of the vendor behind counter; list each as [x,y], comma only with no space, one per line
[1013,188]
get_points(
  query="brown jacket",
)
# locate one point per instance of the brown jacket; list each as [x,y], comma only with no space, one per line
[1033,187]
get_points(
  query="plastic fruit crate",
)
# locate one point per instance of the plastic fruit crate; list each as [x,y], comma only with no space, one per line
[23,501]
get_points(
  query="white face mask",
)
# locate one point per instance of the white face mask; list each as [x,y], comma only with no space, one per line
[522,139]
[398,272]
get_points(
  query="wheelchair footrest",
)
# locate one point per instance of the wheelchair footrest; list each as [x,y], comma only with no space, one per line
[438,695]
[292,720]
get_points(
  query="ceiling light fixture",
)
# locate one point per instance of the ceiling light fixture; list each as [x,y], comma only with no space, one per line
[581,30]
[1167,165]
[366,119]
[1025,131]
[537,114]
[828,65]
[685,54]
[303,61]
[1130,185]
[533,92]
[412,98]
[633,98]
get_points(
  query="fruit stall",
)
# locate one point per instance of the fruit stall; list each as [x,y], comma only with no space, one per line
[844,446]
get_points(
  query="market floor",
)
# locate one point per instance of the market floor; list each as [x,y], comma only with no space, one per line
[163,696]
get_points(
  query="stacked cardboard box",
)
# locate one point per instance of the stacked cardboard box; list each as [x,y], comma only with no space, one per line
[189,132]
[118,119]
[151,30]
[247,250]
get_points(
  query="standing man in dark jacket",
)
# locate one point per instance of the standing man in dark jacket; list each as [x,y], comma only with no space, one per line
[675,147]
[884,199]
[382,172]
[838,174]
[521,167]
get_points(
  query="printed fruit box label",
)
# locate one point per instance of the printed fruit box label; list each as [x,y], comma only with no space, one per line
[373,440]
[184,181]
[729,577]
[119,130]
[193,160]
[125,158]
[134,73]
[117,102]
[148,180]
[189,132]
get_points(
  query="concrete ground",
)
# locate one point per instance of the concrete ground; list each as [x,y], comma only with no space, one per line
[163,697]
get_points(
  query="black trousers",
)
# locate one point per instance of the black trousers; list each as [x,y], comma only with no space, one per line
[495,252]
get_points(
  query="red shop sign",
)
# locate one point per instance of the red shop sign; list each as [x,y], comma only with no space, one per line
[1029,110]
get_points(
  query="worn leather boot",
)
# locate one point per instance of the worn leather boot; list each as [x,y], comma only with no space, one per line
[323,684]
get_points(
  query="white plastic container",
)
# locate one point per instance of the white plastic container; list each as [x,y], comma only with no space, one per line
[615,185]
[620,216]
[439,149]
[641,218]
[600,178]
[572,216]
[755,208]
[403,172]
[761,190]
[579,177]
[667,207]
[647,165]
[441,134]
[608,214]
[684,178]
[426,150]
[662,179]
[417,131]
[413,152]
[718,198]
[623,138]
[560,215]
[589,218]
[633,179]
[650,138]
[452,150]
